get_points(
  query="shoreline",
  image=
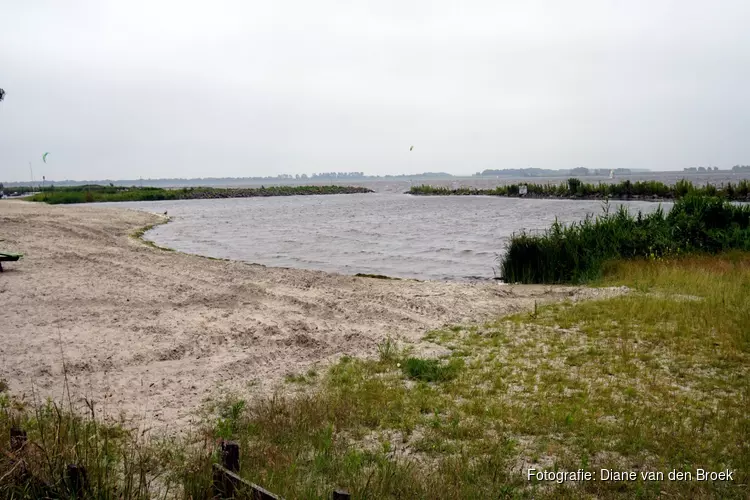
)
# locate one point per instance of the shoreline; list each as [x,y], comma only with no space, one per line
[141,233]
[155,333]
[104,194]
[654,199]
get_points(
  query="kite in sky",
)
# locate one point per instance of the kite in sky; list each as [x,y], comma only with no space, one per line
[411,148]
[2,94]
[44,157]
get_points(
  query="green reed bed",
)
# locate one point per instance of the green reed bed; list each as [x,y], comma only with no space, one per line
[575,253]
[97,193]
[19,190]
[574,188]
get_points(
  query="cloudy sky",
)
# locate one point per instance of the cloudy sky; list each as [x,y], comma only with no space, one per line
[235,88]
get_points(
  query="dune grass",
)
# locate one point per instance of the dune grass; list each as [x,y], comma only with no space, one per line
[655,380]
[575,188]
[119,462]
[652,381]
[576,253]
[96,193]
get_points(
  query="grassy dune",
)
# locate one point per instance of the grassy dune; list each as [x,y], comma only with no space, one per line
[656,380]
[575,189]
[96,193]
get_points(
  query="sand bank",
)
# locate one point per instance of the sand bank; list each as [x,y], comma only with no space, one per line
[154,333]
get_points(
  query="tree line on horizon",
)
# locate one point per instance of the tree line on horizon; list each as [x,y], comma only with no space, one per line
[543,172]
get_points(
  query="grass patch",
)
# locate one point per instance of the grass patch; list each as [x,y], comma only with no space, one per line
[119,463]
[388,350]
[431,370]
[302,378]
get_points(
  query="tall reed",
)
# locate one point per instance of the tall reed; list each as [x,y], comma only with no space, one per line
[574,188]
[575,253]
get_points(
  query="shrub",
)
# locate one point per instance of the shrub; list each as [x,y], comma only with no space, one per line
[432,370]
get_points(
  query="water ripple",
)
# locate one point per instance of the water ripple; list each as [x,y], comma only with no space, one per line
[454,238]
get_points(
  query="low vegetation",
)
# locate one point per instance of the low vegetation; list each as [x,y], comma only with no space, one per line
[376,276]
[651,381]
[97,193]
[138,234]
[576,253]
[625,190]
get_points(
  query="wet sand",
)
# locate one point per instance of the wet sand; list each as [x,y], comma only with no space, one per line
[153,334]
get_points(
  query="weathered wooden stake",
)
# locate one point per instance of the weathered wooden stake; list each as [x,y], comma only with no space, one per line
[77,479]
[17,439]
[341,495]
[224,485]
[227,484]
[230,455]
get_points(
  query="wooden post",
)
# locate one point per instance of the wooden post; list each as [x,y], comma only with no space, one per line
[230,459]
[17,439]
[77,480]
[228,484]
[341,495]
[230,455]
[224,485]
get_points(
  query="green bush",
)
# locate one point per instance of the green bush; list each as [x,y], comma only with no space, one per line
[432,370]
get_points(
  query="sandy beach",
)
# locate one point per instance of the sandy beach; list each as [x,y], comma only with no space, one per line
[151,333]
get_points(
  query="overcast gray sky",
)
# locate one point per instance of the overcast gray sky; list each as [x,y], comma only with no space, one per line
[236,88]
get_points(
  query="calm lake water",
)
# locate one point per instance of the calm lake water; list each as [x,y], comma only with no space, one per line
[453,238]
